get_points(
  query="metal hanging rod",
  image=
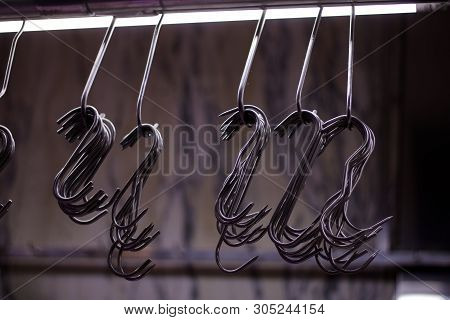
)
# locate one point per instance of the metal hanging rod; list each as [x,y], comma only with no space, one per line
[34,9]
[187,17]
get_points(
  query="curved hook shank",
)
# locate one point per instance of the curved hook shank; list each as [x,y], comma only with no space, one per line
[125,218]
[7,144]
[237,226]
[312,40]
[96,66]
[10,59]
[151,53]
[126,213]
[117,266]
[72,185]
[341,240]
[248,64]
[219,262]
[297,245]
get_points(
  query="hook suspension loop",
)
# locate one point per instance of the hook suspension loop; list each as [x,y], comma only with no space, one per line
[248,64]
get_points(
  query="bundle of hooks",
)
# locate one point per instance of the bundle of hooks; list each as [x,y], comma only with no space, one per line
[297,245]
[73,183]
[125,219]
[339,235]
[293,244]
[237,227]
[7,144]
[124,227]
[341,240]
[331,238]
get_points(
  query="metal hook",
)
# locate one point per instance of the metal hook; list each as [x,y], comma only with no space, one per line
[238,227]
[148,66]
[7,144]
[96,66]
[10,59]
[248,64]
[219,262]
[342,242]
[312,39]
[293,244]
[73,183]
[351,41]
[126,212]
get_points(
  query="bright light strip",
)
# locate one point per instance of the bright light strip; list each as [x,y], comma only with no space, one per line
[202,17]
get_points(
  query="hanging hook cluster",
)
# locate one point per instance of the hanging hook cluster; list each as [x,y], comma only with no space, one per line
[73,184]
[297,245]
[125,218]
[238,227]
[337,245]
[293,244]
[332,239]
[7,143]
[341,240]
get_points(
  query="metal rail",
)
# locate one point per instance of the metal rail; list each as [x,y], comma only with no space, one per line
[33,9]
[203,261]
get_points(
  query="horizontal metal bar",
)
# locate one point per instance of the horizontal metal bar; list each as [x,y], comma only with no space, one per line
[33,9]
[188,17]
[203,261]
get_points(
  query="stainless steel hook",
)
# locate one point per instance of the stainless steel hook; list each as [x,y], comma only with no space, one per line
[10,59]
[351,41]
[125,232]
[73,184]
[148,66]
[312,39]
[7,143]
[96,66]
[238,227]
[248,64]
